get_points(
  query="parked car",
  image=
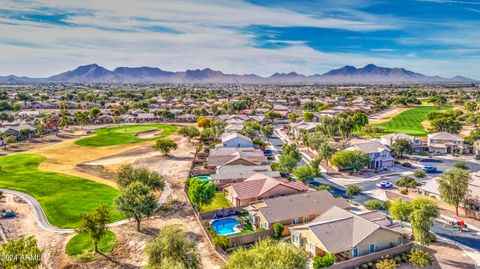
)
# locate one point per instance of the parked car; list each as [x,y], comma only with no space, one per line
[476,157]
[267,152]
[313,183]
[385,184]
[429,169]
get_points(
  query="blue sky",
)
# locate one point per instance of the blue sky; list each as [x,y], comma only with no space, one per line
[434,37]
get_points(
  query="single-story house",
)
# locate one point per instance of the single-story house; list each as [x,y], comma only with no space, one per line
[236,140]
[235,156]
[238,173]
[344,234]
[260,186]
[292,209]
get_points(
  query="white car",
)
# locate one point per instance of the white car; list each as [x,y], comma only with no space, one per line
[385,184]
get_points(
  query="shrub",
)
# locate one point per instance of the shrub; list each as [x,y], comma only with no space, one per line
[278,230]
[386,263]
[324,261]
[419,174]
[373,204]
[404,191]
[370,265]
[222,241]
[397,259]
[406,182]
[406,164]
[404,258]
[420,258]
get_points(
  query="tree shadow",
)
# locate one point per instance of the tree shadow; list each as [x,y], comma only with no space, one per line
[119,263]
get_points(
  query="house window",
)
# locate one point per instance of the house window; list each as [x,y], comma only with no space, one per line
[305,219]
[312,248]
[355,252]
[265,225]
[399,240]
[294,221]
[295,239]
[372,248]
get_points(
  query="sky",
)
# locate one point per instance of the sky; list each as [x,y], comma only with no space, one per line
[40,38]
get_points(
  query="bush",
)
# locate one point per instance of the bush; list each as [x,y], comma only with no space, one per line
[404,258]
[370,265]
[406,164]
[324,261]
[407,182]
[386,263]
[373,204]
[420,258]
[419,174]
[397,259]
[404,191]
[278,230]
[222,241]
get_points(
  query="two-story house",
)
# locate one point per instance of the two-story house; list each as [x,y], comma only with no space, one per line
[380,155]
[444,143]
[417,144]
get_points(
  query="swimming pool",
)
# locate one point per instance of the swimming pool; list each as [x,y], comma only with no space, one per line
[204,178]
[225,226]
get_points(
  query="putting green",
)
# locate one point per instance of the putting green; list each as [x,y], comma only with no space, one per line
[63,197]
[125,134]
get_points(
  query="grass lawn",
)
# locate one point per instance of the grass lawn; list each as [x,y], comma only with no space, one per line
[81,247]
[63,197]
[124,134]
[408,122]
[219,202]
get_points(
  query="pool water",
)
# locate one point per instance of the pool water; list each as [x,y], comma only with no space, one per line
[204,178]
[225,226]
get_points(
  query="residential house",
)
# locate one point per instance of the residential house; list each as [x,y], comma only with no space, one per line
[298,129]
[235,156]
[236,140]
[260,186]
[345,234]
[417,143]
[292,209]
[380,155]
[238,173]
[444,142]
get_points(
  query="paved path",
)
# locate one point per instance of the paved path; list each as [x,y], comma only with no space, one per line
[43,222]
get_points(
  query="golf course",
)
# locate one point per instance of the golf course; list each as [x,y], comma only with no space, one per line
[408,121]
[125,134]
[63,197]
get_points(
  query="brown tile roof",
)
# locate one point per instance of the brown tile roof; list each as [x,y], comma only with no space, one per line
[259,184]
[222,156]
[299,205]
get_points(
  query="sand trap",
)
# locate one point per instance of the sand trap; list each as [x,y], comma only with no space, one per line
[148,134]
[386,115]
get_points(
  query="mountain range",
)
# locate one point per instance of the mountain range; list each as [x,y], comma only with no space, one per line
[369,74]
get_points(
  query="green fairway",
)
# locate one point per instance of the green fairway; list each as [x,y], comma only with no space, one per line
[62,197]
[81,246]
[408,122]
[124,135]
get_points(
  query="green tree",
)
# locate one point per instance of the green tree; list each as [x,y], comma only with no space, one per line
[291,150]
[136,201]
[303,173]
[81,117]
[325,151]
[200,192]
[421,219]
[350,159]
[266,131]
[278,229]
[165,145]
[402,146]
[373,204]
[127,175]
[324,261]
[462,165]
[94,113]
[203,122]
[453,186]
[399,210]
[419,174]
[65,121]
[172,249]
[293,116]
[307,116]
[315,166]
[470,106]
[95,224]
[189,132]
[268,254]
[353,190]
[13,251]
[286,163]
[446,124]
[437,100]
[420,258]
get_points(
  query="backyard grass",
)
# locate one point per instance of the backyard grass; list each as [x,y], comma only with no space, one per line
[124,134]
[219,202]
[63,197]
[81,248]
[408,122]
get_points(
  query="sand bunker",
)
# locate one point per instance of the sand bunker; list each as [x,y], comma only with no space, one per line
[149,134]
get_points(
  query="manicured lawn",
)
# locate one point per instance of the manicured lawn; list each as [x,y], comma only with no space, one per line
[124,135]
[219,202]
[63,197]
[81,247]
[408,122]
